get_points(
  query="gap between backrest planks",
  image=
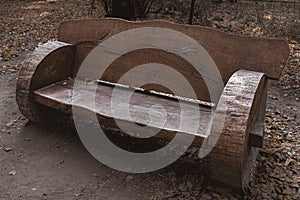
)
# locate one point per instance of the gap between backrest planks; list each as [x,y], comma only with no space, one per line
[230,52]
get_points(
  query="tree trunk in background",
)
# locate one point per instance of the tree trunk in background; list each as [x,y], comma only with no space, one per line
[192,9]
[124,9]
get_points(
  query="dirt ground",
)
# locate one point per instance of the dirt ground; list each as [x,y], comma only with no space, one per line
[38,162]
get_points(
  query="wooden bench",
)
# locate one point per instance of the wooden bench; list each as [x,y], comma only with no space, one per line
[246,65]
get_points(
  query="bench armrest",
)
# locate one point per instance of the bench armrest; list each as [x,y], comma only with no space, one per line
[240,109]
[49,63]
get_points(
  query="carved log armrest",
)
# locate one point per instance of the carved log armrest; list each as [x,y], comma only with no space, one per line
[238,126]
[49,63]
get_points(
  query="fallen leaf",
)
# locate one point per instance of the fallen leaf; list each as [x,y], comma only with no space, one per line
[12,173]
[129,178]
[7,149]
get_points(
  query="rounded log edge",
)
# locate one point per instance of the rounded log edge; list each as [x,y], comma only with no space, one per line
[231,161]
[49,63]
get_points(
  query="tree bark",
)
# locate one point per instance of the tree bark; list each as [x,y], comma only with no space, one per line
[123,9]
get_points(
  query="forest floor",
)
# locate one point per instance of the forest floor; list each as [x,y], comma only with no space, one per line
[39,162]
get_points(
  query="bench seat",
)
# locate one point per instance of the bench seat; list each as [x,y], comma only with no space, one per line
[142,106]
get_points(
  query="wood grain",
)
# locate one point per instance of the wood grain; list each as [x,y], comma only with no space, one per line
[49,63]
[133,59]
[230,52]
[142,109]
[232,159]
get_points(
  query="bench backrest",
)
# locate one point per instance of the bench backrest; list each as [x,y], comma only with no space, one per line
[229,52]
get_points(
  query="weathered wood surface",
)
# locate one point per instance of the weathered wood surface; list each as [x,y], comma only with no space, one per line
[257,134]
[241,106]
[142,106]
[230,52]
[49,63]
[152,69]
